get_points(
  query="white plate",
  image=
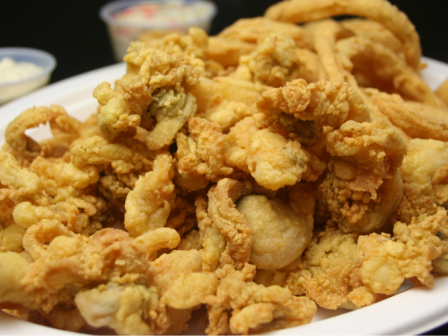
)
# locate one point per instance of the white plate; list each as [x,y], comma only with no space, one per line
[413,311]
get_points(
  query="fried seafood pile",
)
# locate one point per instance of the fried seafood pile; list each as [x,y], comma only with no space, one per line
[259,173]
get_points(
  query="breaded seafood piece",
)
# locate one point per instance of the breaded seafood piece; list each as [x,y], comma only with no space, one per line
[253,29]
[279,234]
[273,62]
[423,167]
[201,152]
[149,71]
[70,262]
[148,204]
[416,119]
[226,112]
[228,88]
[328,272]
[387,262]
[381,11]
[375,32]
[227,52]
[171,110]
[325,103]
[231,223]
[254,308]
[363,178]
[24,147]
[390,73]
[213,242]
[275,162]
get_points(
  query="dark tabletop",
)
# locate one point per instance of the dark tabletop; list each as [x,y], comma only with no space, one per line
[73,32]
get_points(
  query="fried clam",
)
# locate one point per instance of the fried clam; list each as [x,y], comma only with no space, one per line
[253,29]
[229,221]
[328,272]
[24,148]
[390,74]
[148,205]
[362,186]
[280,235]
[152,77]
[423,172]
[273,62]
[376,32]
[417,120]
[241,306]
[201,152]
[381,11]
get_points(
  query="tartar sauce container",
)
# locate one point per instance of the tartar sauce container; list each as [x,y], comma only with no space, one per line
[23,70]
[127,20]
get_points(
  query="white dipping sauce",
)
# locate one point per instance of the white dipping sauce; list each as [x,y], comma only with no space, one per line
[11,70]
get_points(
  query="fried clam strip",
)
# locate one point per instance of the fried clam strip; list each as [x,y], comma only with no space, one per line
[201,153]
[231,223]
[21,182]
[375,32]
[325,103]
[387,262]
[227,52]
[328,272]
[381,11]
[65,262]
[194,44]
[253,29]
[273,62]
[212,241]
[148,72]
[163,307]
[226,112]
[442,92]
[22,146]
[83,214]
[148,205]
[362,187]
[226,88]
[425,163]
[390,73]
[254,308]
[417,120]
[10,233]
[119,164]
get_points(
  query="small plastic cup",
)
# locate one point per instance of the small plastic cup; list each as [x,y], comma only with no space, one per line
[15,88]
[127,20]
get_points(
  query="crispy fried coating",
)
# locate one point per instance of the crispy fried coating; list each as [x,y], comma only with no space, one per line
[416,120]
[227,52]
[363,187]
[255,308]
[381,11]
[201,153]
[273,62]
[390,74]
[325,103]
[387,263]
[231,223]
[148,204]
[275,162]
[228,88]
[227,113]
[149,71]
[420,166]
[25,147]
[253,29]
[329,273]
[279,234]
[376,32]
